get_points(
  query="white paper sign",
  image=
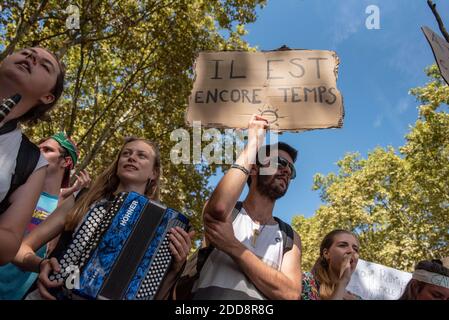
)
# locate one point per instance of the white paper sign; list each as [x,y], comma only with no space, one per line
[374,281]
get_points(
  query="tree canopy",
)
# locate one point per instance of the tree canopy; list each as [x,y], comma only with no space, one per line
[396,201]
[129,71]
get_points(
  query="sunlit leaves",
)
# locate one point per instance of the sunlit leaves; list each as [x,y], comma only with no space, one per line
[129,72]
[396,201]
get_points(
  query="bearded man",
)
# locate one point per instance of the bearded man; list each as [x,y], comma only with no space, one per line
[256,256]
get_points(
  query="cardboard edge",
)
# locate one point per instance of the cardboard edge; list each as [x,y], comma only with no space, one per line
[197,54]
[341,120]
[433,52]
[337,64]
[264,51]
[223,126]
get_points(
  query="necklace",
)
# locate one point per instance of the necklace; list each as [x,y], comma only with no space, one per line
[256,231]
[256,234]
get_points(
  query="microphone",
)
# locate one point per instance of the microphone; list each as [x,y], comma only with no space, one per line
[8,104]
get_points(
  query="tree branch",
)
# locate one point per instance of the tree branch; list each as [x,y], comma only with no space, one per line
[107,133]
[36,42]
[85,39]
[76,92]
[23,29]
[129,82]
[443,30]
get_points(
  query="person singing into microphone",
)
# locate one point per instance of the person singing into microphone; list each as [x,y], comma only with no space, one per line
[37,76]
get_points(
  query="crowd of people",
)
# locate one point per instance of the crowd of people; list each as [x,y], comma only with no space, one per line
[246,254]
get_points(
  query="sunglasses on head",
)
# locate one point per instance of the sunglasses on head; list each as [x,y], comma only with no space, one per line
[282,162]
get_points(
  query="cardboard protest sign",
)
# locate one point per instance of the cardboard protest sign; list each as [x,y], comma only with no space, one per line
[294,89]
[440,48]
[374,281]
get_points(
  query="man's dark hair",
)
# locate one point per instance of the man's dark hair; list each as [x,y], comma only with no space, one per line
[435,266]
[414,287]
[265,150]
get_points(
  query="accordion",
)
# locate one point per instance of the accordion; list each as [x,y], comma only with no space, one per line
[120,251]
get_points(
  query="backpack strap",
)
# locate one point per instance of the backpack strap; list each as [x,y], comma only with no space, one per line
[8,126]
[26,162]
[287,234]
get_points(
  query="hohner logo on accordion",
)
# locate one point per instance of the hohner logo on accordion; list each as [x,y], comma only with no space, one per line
[121,250]
[128,213]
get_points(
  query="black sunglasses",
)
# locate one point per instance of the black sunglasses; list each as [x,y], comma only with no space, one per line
[284,163]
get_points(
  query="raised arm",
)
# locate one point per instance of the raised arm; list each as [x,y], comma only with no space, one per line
[230,187]
[51,227]
[14,220]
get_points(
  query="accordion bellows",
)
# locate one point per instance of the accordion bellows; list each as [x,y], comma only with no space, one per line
[121,251]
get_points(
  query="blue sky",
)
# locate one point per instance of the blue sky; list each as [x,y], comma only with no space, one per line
[377,69]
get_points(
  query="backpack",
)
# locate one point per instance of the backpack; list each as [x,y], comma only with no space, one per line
[182,290]
[26,162]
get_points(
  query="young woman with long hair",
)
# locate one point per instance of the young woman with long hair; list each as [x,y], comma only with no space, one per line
[339,254]
[136,168]
[37,76]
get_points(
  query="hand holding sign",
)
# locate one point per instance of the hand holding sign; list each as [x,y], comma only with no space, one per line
[256,130]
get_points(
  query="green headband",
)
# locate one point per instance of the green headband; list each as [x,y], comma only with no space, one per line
[67,144]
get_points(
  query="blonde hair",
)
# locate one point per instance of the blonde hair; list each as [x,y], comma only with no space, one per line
[107,183]
[321,269]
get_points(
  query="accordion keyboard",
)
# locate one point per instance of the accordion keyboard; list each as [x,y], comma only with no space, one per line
[86,238]
[160,265]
